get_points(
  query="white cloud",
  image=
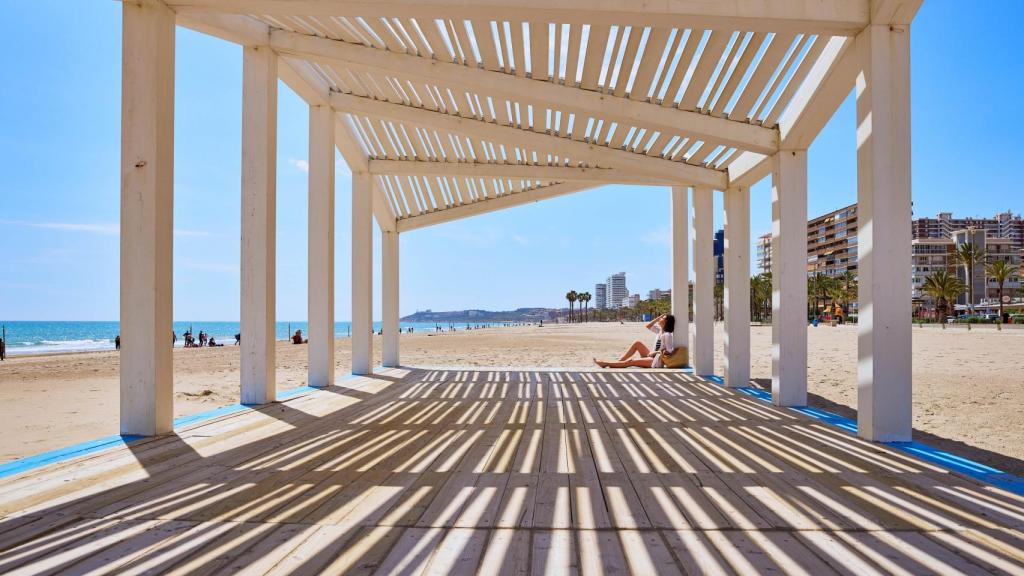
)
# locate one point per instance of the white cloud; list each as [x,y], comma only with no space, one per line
[102,229]
[95,228]
[301,165]
[660,237]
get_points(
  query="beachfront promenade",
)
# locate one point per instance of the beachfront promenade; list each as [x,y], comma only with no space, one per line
[512,472]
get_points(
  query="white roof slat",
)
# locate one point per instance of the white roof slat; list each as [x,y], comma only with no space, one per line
[675,83]
[485,43]
[650,60]
[767,64]
[777,75]
[596,43]
[539,51]
[572,58]
[708,61]
[629,60]
[796,80]
[739,70]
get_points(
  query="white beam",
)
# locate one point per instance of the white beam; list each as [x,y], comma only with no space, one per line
[491,205]
[623,111]
[578,151]
[321,246]
[680,214]
[147,199]
[884,388]
[702,353]
[789,278]
[362,273]
[389,298]
[526,171]
[806,16]
[259,213]
[827,84]
[737,287]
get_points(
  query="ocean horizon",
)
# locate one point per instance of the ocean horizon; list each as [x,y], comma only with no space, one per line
[26,337]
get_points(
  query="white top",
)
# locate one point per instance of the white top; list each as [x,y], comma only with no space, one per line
[663,343]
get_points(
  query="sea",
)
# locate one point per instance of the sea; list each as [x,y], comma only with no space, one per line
[55,337]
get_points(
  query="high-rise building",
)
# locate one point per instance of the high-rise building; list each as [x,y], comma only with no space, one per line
[832,242]
[631,301]
[718,247]
[616,290]
[600,296]
[764,253]
[1003,225]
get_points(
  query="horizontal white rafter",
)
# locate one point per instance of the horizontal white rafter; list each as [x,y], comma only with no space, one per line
[838,17]
[622,111]
[679,172]
[492,204]
[526,171]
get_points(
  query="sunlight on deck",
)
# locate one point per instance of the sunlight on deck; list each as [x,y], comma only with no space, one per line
[508,472]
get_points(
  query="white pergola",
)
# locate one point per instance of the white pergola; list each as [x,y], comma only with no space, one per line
[445,109]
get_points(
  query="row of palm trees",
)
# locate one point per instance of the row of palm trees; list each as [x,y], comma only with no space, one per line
[944,288]
[584,298]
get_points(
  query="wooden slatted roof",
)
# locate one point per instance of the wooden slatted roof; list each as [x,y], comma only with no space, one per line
[453,105]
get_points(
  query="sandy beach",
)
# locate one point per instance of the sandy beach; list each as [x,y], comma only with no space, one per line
[968,386]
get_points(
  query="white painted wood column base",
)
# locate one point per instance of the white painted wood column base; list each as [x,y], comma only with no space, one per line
[681,264]
[321,246]
[702,350]
[884,387]
[147,207]
[789,278]
[389,298]
[737,287]
[259,226]
[362,273]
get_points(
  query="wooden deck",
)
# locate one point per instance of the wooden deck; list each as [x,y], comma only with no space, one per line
[508,472]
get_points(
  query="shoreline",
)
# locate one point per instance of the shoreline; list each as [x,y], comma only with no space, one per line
[967,384]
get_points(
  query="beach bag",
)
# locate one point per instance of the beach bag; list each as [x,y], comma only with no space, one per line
[678,358]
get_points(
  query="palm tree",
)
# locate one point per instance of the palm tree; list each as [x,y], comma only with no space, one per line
[719,302]
[968,255]
[944,288]
[849,282]
[760,296]
[1000,271]
[585,298]
[571,296]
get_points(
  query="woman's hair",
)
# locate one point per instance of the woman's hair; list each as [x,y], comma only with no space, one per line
[670,323]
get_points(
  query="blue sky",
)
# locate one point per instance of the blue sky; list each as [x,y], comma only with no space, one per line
[59,177]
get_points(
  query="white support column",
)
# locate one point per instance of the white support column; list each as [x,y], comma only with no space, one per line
[737,287]
[883,196]
[147,200]
[389,297]
[681,264]
[362,273]
[702,352]
[321,246]
[259,213]
[789,278]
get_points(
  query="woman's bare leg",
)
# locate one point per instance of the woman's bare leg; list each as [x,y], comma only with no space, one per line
[636,348]
[637,362]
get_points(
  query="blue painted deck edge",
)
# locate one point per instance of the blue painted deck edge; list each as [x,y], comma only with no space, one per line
[74,451]
[976,470]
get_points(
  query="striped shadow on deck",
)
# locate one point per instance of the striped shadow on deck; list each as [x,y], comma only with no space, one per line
[508,472]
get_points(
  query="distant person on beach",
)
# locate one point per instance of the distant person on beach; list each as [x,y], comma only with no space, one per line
[3,349]
[238,339]
[297,338]
[663,326]
[174,338]
[117,342]
[213,343]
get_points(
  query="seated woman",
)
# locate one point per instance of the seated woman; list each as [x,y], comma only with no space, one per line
[663,326]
